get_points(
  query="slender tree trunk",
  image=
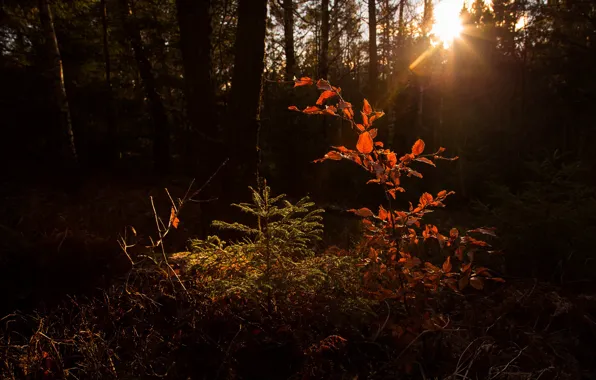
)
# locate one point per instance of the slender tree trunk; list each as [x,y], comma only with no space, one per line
[288,6]
[245,98]
[324,53]
[373,73]
[56,73]
[111,143]
[161,134]
[194,20]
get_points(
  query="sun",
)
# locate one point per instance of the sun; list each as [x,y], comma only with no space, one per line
[447,25]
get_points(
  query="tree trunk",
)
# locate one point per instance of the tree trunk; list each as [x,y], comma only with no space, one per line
[161,134]
[67,148]
[111,143]
[288,7]
[194,20]
[372,49]
[245,96]
[324,53]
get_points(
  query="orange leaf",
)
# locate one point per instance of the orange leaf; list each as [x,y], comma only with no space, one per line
[360,127]
[454,233]
[174,221]
[425,160]
[376,116]
[365,119]
[363,212]
[304,81]
[477,283]
[365,143]
[447,265]
[366,108]
[373,133]
[383,214]
[379,144]
[324,96]
[441,194]
[497,279]
[312,110]
[333,156]
[348,113]
[418,147]
[425,199]
[329,110]
[293,108]
[322,84]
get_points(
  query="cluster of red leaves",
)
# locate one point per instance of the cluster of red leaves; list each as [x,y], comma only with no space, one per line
[392,269]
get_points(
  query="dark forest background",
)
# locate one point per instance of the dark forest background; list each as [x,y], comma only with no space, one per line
[103,103]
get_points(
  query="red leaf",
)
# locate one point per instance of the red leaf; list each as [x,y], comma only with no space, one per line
[329,110]
[324,96]
[322,84]
[441,194]
[333,156]
[366,108]
[379,144]
[363,212]
[425,160]
[454,233]
[304,81]
[348,113]
[365,143]
[383,214]
[418,147]
[293,108]
[477,283]
[376,116]
[312,110]
[497,279]
[485,231]
[373,133]
[360,127]
[365,119]
[425,199]
[447,265]
[174,221]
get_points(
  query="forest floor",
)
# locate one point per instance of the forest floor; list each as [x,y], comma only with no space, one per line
[73,306]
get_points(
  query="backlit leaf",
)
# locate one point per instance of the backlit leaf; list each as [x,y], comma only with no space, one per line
[322,84]
[447,265]
[363,212]
[324,96]
[365,120]
[312,110]
[425,199]
[293,108]
[418,147]
[333,156]
[365,143]
[366,108]
[174,221]
[304,81]
[373,133]
[425,160]
[477,283]
[377,115]
[360,127]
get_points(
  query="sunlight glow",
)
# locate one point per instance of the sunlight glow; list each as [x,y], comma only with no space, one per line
[447,25]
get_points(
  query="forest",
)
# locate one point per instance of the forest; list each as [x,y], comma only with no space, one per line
[298,189]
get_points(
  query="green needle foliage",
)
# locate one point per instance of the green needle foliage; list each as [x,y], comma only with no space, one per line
[276,259]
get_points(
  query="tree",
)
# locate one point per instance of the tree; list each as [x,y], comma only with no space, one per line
[323,69]
[373,70]
[194,21]
[243,120]
[56,75]
[161,130]
[288,8]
